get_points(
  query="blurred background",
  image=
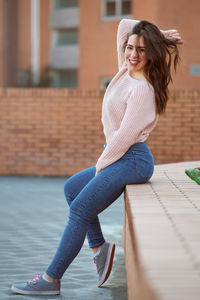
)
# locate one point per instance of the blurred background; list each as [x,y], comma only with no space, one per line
[56,59]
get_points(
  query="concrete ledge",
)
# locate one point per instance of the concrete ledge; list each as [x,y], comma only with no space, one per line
[162,235]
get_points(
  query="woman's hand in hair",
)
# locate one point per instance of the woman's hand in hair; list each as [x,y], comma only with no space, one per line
[173,34]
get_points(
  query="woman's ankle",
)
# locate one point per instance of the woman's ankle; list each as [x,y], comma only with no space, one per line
[51,279]
[96,249]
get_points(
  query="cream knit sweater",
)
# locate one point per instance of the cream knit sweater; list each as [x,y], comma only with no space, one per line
[128,111]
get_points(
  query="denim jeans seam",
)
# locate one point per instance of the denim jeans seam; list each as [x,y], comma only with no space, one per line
[106,180]
[139,151]
[137,170]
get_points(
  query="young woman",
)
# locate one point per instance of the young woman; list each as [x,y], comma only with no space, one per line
[132,103]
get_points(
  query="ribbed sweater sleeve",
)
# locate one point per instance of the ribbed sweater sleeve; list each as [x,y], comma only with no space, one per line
[124,28]
[140,112]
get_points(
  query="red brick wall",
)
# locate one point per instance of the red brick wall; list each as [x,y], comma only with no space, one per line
[49,131]
[59,132]
[177,135]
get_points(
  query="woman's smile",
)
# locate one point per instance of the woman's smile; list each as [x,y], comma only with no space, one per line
[135,55]
[133,62]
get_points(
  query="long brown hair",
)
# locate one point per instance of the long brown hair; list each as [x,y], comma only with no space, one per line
[161,53]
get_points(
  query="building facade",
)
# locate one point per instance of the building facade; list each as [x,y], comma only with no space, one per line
[72,43]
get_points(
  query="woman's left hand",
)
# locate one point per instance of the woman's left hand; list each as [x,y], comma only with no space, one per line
[174,35]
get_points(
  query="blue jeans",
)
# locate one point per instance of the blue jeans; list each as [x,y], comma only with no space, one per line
[88,195]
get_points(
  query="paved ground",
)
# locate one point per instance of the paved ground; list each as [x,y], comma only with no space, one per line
[32,218]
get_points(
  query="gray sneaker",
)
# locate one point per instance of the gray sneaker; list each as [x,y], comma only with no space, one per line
[104,261]
[37,286]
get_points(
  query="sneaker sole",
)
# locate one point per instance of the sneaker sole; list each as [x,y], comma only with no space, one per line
[108,266]
[23,292]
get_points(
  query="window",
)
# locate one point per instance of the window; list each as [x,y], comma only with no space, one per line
[65,79]
[110,8]
[116,8]
[195,69]
[60,4]
[105,82]
[126,7]
[24,78]
[66,37]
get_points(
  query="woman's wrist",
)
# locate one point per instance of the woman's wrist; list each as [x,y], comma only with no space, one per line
[172,34]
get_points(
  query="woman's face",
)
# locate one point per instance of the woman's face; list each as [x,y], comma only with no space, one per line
[135,55]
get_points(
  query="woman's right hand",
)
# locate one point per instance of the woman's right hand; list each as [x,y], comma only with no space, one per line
[172,34]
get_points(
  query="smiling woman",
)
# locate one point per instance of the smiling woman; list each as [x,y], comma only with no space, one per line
[135,57]
[131,105]
[149,54]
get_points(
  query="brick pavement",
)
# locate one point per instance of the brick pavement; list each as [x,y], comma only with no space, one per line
[32,218]
[166,230]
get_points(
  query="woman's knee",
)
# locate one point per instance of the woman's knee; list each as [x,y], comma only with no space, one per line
[72,187]
[77,182]
[68,191]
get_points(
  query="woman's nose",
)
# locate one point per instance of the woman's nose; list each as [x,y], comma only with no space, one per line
[134,53]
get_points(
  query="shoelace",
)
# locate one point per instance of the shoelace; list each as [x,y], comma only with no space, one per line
[34,280]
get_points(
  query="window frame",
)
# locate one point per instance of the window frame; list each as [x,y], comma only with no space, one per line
[118,14]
